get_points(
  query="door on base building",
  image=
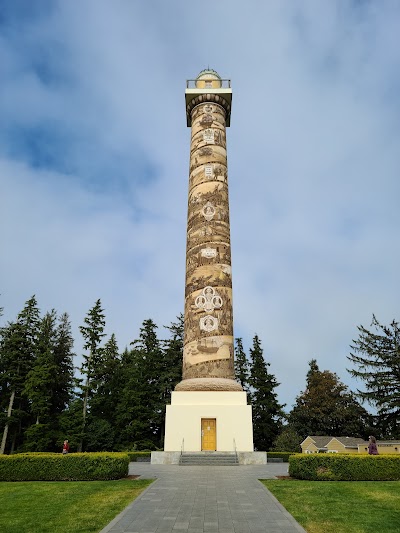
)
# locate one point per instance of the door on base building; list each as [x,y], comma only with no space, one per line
[208,434]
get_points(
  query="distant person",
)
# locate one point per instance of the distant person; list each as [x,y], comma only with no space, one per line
[372,447]
[65,449]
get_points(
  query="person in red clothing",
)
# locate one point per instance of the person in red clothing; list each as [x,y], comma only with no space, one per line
[372,447]
[65,447]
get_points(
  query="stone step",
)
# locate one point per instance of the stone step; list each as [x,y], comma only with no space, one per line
[208,463]
[208,458]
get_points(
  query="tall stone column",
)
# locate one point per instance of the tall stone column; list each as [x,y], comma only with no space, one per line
[208,354]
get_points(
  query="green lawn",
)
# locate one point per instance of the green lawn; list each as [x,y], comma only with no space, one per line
[60,507]
[341,506]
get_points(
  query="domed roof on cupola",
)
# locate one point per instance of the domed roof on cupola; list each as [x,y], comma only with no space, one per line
[208,72]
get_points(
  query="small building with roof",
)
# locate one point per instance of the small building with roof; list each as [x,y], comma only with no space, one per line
[344,444]
[315,444]
[329,444]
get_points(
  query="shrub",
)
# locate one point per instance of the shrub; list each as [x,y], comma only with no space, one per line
[133,456]
[35,453]
[280,455]
[144,445]
[71,467]
[332,467]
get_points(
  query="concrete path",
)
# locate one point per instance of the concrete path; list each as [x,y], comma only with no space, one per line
[205,499]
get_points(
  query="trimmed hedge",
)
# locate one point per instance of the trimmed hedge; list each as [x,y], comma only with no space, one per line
[280,455]
[35,453]
[332,467]
[133,456]
[70,467]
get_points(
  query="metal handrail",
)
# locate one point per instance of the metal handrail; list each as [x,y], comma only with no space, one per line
[225,83]
[236,455]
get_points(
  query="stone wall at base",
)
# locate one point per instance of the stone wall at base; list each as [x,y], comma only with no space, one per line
[165,458]
[245,458]
[252,458]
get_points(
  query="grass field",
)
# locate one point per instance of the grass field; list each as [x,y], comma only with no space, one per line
[341,506]
[60,507]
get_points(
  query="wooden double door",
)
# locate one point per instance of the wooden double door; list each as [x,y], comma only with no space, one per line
[208,434]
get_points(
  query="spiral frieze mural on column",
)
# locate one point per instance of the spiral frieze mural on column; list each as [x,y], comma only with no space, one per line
[208,345]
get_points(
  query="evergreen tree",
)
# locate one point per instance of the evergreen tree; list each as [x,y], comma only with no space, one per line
[376,356]
[287,441]
[242,367]
[10,370]
[63,356]
[92,333]
[172,359]
[267,412]
[146,380]
[102,404]
[128,412]
[38,386]
[172,354]
[70,424]
[151,366]
[100,430]
[18,354]
[49,383]
[327,407]
[134,410]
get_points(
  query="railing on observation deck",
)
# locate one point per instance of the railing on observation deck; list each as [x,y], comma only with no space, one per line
[224,84]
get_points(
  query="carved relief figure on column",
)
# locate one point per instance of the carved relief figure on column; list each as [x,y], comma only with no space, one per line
[208,344]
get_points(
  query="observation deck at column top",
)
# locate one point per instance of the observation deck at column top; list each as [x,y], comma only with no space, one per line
[208,82]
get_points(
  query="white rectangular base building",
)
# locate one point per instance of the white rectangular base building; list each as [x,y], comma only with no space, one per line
[208,421]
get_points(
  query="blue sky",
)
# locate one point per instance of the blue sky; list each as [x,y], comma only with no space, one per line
[94,156]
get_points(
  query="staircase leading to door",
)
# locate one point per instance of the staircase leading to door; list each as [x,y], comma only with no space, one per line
[208,458]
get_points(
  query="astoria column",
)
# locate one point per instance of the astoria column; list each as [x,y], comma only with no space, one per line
[208,410]
[208,354]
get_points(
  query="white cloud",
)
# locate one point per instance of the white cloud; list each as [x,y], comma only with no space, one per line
[313,161]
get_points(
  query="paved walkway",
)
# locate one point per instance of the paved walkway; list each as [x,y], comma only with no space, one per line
[205,499]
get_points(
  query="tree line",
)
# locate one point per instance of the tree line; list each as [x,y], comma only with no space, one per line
[117,399]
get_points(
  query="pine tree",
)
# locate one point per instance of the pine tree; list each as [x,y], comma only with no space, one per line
[151,361]
[100,430]
[38,386]
[376,356]
[242,366]
[172,358]
[70,424]
[127,414]
[102,404]
[63,356]
[92,333]
[18,353]
[327,407]
[49,383]
[146,380]
[10,369]
[267,412]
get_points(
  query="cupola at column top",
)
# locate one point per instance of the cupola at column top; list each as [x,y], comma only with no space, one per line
[208,79]
[208,87]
